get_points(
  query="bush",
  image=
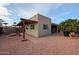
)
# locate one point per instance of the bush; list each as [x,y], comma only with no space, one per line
[70,25]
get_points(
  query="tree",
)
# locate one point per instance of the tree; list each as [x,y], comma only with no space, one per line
[1,21]
[5,24]
[1,28]
[14,23]
[77,26]
[70,25]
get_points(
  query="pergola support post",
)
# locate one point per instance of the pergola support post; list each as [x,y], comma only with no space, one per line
[19,31]
[23,30]
[57,30]
[24,39]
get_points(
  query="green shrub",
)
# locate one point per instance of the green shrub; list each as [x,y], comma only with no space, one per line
[70,25]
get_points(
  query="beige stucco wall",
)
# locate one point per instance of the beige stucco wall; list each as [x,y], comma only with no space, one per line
[44,20]
[39,31]
[35,31]
[35,18]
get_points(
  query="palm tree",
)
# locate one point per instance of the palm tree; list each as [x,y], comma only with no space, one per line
[5,24]
[14,23]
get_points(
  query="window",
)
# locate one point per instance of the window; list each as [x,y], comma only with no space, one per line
[45,27]
[32,26]
[27,27]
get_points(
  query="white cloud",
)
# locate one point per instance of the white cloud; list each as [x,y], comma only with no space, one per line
[27,12]
[5,18]
[4,4]
[4,11]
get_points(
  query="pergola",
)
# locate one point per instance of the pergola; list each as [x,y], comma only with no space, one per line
[24,22]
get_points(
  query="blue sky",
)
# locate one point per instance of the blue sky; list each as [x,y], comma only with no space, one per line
[58,12]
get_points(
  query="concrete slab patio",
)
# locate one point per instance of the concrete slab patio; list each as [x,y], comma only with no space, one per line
[48,45]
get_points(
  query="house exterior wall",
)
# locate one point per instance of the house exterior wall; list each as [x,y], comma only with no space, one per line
[38,30]
[44,20]
[33,32]
[35,18]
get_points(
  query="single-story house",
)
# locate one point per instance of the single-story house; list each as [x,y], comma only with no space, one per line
[37,26]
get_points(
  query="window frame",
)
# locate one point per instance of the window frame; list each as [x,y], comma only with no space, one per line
[45,27]
[32,26]
[27,27]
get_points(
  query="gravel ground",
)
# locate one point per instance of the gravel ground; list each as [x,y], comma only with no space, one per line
[48,45]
